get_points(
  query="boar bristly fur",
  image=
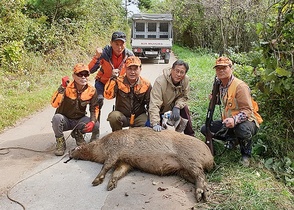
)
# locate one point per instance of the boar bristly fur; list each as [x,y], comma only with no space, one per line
[162,153]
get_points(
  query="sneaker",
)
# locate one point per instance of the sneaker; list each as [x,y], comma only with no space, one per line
[245,161]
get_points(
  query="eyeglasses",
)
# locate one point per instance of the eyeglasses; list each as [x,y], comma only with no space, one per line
[83,74]
[180,72]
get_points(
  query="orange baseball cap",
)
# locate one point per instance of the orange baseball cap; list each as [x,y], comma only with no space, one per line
[80,67]
[223,61]
[133,61]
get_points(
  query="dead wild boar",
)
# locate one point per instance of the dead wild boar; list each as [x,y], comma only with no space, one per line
[163,153]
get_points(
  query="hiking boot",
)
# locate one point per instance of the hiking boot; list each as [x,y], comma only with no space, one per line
[245,160]
[79,137]
[95,136]
[60,146]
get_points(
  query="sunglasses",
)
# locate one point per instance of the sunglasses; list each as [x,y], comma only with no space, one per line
[118,36]
[83,74]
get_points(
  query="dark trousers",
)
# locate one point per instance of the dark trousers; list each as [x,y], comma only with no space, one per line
[242,132]
[185,113]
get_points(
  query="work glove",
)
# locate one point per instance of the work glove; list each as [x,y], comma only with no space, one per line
[65,81]
[157,128]
[89,127]
[100,101]
[175,115]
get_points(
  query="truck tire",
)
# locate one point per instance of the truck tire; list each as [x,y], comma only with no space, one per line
[166,61]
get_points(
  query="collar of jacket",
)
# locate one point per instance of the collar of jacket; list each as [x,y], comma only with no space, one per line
[72,93]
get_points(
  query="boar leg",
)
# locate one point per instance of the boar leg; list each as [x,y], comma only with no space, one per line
[120,171]
[195,174]
[197,177]
[201,187]
[106,167]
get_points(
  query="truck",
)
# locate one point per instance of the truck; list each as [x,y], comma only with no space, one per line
[152,36]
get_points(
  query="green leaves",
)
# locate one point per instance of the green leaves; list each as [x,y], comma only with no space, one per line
[283,72]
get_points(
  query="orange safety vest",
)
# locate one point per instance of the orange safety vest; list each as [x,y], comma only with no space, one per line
[233,103]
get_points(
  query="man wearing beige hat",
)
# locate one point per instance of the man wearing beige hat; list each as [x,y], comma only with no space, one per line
[71,100]
[132,95]
[239,121]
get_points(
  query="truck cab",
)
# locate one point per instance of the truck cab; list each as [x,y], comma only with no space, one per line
[152,36]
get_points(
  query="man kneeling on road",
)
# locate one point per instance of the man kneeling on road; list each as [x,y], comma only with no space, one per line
[170,93]
[132,95]
[71,100]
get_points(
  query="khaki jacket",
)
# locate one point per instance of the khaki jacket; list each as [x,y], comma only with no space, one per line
[238,99]
[165,95]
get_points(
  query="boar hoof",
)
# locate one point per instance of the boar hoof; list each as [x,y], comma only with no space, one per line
[111,184]
[97,181]
[200,195]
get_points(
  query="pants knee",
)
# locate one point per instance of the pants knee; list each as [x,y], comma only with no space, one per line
[243,132]
[57,119]
[116,120]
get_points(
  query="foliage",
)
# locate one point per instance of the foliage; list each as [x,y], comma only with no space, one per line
[233,186]
[283,168]
[217,25]
[144,5]
[38,47]
[272,64]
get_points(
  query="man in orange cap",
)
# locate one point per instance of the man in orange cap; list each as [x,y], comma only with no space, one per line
[239,121]
[132,95]
[70,101]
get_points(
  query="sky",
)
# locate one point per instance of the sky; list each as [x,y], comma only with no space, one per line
[132,7]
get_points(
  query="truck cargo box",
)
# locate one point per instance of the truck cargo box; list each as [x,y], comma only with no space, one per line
[152,36]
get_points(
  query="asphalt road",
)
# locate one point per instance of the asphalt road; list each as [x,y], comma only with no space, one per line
[42,181]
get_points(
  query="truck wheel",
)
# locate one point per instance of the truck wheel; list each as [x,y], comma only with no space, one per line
[166,61]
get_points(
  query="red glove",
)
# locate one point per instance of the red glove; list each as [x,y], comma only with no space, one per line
[65,81]
[89,127]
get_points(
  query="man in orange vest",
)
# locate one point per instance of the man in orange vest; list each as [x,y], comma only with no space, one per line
[71,100]
[132,96]
[109,61]
[240,121]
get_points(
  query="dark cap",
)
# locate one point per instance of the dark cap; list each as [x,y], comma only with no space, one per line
[118,35]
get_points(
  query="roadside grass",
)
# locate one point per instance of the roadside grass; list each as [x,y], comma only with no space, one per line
[231,185]
[24,93]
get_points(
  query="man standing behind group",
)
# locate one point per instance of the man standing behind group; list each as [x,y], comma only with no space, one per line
[109,61]
[170,92]
[132,93]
